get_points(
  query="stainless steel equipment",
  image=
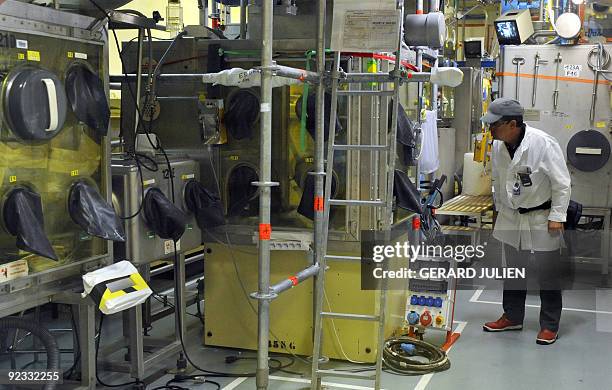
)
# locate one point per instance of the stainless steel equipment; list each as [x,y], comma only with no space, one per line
[575,84]
[538,61]
[39,38]
[468,111]
[558,61]
[144,246]
[48,44]
[518,61]
[291,145]
[585,139]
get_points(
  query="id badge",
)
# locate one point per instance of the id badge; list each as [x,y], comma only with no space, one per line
[524,176]
[516,189]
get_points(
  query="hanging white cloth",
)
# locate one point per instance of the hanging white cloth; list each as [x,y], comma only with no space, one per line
[429,162]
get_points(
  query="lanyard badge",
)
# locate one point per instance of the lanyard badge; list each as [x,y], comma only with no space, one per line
[524,176]
[516,189]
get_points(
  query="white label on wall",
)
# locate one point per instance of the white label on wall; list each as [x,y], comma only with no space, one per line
[21,44]
[531,115]
[169,246]
[82,56]
[572,70]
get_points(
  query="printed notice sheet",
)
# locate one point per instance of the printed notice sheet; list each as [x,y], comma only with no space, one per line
[368,26]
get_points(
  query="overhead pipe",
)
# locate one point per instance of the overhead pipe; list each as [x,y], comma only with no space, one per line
[446,76]
[278,70]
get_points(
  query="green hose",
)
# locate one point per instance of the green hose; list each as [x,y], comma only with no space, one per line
[399,362]
[305,92]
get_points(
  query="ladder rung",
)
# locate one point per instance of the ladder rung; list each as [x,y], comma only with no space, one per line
[361,147]
[345,374]
[347,316]
[366,93]
[353,202]
[350,258]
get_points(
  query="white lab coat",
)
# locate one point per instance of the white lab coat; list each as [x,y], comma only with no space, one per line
[540,153]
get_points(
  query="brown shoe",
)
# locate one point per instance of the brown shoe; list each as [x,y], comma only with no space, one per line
[546,337]
[501,325]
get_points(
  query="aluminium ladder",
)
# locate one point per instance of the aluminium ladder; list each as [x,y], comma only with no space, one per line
[385,221]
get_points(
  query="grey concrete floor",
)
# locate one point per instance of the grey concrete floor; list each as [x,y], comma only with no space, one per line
[581,358]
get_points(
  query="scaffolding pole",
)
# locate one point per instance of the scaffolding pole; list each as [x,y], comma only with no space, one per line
[264,294]
[319,217]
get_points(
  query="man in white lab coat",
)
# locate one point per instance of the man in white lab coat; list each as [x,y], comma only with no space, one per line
[532,192]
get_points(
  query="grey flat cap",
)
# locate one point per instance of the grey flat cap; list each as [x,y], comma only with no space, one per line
[502,107]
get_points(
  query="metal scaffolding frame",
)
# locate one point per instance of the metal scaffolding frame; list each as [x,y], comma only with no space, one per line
[266,292]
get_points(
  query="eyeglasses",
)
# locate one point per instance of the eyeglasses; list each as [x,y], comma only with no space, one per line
[495,125]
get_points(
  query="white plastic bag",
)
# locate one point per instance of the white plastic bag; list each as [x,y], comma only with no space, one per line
[429,161]
[116,287]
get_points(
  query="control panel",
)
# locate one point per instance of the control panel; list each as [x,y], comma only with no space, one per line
[427,310]
[429,303]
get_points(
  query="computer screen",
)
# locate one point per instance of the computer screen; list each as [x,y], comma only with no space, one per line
[507,33]
[473,49]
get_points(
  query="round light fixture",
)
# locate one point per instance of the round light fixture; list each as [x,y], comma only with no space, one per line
[568,25]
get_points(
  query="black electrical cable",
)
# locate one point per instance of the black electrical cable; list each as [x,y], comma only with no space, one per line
[152,168]
[199,299]
[77,357]
[121,59]
[399,362]
[136,382]
[180,326]
[139,113]
[169,385]
[149,95]
[281,367]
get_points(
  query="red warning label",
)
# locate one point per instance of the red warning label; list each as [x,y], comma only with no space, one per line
[318,203]
[265,231]
[294,280]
